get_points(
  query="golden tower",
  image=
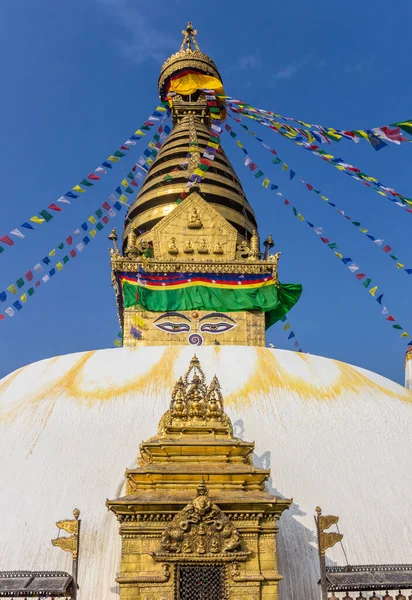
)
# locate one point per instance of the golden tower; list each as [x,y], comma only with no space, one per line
[190,269]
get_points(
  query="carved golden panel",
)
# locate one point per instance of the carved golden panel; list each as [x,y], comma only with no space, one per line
[192,231]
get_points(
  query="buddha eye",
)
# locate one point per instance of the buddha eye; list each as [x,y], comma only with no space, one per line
[221,327]
[171,327]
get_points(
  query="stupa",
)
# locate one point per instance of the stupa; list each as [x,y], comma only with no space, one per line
[195,455]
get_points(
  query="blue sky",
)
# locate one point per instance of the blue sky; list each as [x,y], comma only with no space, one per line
[80,76]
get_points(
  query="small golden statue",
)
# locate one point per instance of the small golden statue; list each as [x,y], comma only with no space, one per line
[194,220]
[218,249]
[203,249]
[243,250]
[173,249]
[255,253]
[188,248]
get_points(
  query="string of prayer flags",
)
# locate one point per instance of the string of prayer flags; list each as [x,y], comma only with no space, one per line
[378,137]
[17,305]
[378,241]
[211,149]
[118,342]
[289,332]
[348,262]
[350,170]
[44,216]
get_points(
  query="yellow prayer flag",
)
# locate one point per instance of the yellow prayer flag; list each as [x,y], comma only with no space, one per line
[370,179]
[339,255]
[79,189]
[92,219]
[151,145]
[12,289]
[382,193]
[310,137]
[340,168]
[113,158]
[328,155]
[36,220]
[373,290]
[400,265]
[123,199]
[59,266]
[404,334]
[285,167]
[266,183]
[194,149]
[23,297]
[213,145]
[149,160]
[363,230]
[301,217]
[239,143]
[92,233]
[324,198]
[139,132]
[161,109]
[52,252]
[286,327]
[117,343]
[362,134]
[125,183]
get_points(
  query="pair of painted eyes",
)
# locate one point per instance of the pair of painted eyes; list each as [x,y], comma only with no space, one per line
[170,327]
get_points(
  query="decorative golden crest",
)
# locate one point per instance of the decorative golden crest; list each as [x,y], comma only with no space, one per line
[200,528]
[71,543]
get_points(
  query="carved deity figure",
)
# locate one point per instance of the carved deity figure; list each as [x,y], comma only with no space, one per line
[194,220]
[173,249]
[203,249]
[188,247]
[218,248]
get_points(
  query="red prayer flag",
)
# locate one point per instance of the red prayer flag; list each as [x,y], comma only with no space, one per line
[55,207]
[124,148]
[309,186]
[106,205]
[37,284]
[390,318]
[29,275]
[287,202]
[360,276]
[2,317]
[73,253]
[6,240]
[69,240]
[134,168]
[386,248]
[105,220]
[325,240]
[93,176]
[133,182]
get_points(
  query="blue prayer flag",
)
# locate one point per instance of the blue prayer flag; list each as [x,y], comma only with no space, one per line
[71,195]
[27,225]
[106,164]
[3,296]
[18,305]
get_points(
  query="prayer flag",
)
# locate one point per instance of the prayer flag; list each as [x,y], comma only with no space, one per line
[63,200]
[59,266]
[105,220]
[55,207]
[98,170]
[373,290]
[266,182]
[38,268]
[291,335]
[12,289]
[69,240]
[79,189]
[9,311]
[105,164]
[17,305]
[92,232]
[390,318]
[3,296]
[46,215]
[72,252]
[113,159]
[6,240]
[86,183]
[30,291]
[71,195]
[20,282]
[80,246]
[27,225]
[92,219]
[360,275]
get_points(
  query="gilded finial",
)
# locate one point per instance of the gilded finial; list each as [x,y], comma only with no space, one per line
[189,38]
[76,513]
[201,488]
[113,237]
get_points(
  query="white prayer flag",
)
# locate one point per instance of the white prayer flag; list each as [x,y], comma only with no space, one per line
[17,233]
[10,311]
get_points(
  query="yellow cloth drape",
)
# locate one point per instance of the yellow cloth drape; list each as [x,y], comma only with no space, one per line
[191,82]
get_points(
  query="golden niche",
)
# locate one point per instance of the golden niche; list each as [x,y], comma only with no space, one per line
[197,507]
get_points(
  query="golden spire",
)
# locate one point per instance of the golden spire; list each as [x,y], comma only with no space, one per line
[189,38]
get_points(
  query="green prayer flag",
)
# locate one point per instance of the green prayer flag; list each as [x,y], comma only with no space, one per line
[130,175]
[99,226]
[1,249]
[46,215]
[295,212]
[65,259]
[356,223]
[404,125]
[20,282]
[30,291]
[129,190]
[397,327]
[366,282]
[61,246]
[99,213]
[276,161]
[146,128]
[120,154]
[86,183]
[167,178]
[333,245]
[259,174]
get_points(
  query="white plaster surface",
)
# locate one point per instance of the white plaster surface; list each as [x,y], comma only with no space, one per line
[333,435]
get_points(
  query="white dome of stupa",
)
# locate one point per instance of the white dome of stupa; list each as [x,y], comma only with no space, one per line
[333,435]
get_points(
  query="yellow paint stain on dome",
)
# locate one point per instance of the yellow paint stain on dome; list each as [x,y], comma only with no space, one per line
[269,376]
[152,382]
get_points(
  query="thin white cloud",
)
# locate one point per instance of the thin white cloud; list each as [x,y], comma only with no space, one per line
[142,40]
[250,61]
[291,69]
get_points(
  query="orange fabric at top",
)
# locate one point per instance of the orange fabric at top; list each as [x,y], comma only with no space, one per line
[189,83]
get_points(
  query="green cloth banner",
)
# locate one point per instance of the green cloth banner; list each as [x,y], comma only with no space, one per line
[275,301]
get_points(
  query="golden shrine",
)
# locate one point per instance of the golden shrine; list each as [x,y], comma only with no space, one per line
[196,521]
